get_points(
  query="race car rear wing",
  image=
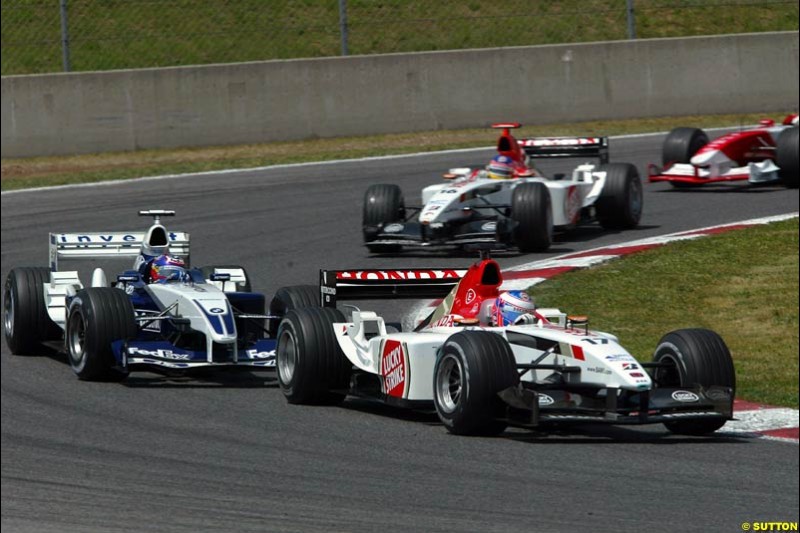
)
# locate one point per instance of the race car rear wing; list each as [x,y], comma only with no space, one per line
[109,245]
[556,147]
[379,284]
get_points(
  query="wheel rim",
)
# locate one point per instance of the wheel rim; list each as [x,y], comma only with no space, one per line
[449,383]
[76,339]
[8,320]
[287,356]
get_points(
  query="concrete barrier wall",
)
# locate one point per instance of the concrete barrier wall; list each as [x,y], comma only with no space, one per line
[282,100]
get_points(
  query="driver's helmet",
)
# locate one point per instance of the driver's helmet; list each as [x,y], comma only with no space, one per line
[501,167]
[510,306]
[165,268]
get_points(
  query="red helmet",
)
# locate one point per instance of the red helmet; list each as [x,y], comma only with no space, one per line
[165,268]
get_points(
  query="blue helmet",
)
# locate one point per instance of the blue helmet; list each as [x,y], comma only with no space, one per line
[501,167]
[165,268]
[511,305]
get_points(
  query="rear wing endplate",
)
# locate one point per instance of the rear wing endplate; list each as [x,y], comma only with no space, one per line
[556,147]
[379,284]
[109,245]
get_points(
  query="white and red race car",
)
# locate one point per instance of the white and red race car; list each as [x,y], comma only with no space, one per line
[761,155]
[483,378]
[522,211]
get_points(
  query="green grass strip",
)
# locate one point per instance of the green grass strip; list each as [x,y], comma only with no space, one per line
[742,284]
[48,171]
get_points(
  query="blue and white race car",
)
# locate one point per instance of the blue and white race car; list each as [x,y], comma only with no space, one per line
[161,314]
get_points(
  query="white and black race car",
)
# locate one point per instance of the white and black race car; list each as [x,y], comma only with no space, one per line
[482,378]
[520,212]
[206,318]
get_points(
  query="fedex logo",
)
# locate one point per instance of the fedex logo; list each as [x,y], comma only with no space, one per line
[160,353]
[400,274]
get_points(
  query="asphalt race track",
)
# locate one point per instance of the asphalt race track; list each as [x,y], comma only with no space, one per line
[228,454]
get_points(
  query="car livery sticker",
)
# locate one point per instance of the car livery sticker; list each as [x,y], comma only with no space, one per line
[685,396]
[393,369]
[572,204]
[544,399]
[571,350]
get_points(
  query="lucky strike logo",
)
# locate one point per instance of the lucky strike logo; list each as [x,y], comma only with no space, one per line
[393,369]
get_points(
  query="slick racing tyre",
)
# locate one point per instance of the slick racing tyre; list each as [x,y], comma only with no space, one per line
[98,317]
[240,287]
[620,203]
[681,144]
[472,368]
[679,147]
[532,212]
[311,367]
[695,357]
[383,204]
[26,323]
[288,298]
[786,157]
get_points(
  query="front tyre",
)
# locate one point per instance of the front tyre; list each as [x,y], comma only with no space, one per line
[681,144]
[786,157]
[288,298]
[311,367]
[383,204]
[98,317]
[532,212]
[473,367]
[25,320]
[679,147]
[694,357]
[619,205]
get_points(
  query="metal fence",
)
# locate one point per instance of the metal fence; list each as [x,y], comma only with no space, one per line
[54,35]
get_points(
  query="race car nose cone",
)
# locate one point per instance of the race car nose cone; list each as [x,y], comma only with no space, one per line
[705,158]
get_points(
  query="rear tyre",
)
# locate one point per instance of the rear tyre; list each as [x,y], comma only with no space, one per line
[620,203]
[240,287]
[786,157]
[311,367]
[383,204]
[25,320]
[288,298]
[532,211]
[473,367]
[98,317]
[679,147]
[696,357]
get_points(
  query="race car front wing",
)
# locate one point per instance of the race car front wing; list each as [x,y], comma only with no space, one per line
[529,407]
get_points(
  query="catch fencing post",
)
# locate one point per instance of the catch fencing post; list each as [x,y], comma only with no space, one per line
[343,25]
[64,37]
[631,21]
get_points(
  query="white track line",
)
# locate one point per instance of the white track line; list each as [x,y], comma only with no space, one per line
[222,172]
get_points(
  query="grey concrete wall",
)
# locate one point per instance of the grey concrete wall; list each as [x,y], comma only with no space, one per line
[282,100]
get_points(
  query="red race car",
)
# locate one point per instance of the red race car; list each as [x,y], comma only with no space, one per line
[765,154]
